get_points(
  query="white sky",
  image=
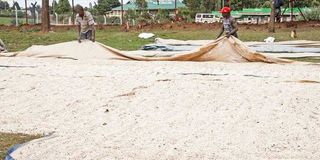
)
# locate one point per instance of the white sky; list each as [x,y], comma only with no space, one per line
[84,3]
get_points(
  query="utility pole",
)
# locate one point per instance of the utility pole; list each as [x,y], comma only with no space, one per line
[26,7]
[271,22]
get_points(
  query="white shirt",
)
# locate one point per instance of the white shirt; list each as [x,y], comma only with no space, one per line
[85,22]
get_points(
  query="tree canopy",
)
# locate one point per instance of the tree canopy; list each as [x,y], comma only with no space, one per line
[4,5]
[104,6]
[63,7]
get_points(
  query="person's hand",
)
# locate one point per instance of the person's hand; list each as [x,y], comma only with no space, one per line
[228,35]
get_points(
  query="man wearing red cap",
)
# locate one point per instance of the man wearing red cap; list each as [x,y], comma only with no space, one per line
[229,23]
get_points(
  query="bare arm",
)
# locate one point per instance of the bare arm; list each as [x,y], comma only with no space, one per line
[79,33]
[221,32]
[93,33]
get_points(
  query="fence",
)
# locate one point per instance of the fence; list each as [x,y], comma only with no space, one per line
[18,17]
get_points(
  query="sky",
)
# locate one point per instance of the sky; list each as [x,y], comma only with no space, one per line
[84,3]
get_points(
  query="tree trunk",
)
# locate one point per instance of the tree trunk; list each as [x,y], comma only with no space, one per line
[121,12]
[73,12]
[175,10]
[45,20]
[26,8]
[271,23]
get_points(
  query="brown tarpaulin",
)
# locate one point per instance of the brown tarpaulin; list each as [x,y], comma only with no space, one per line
[223,49]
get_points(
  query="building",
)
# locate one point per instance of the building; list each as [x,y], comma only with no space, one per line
[152,7]
[261,15]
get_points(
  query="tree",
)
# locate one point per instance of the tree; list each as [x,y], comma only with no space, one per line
[4,5]
[16,4]
[54,6]
[130,16]
[63,7]
[272,17]
[207,5]
[141,4]
[33,11]
[45,20]
[104,6]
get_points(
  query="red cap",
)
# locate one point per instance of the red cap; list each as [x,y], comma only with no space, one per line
[225,10]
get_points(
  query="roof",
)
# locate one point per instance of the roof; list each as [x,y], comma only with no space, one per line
[259,12]
[153,5]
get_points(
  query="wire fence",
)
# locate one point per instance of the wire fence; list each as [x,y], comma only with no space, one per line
[18,17]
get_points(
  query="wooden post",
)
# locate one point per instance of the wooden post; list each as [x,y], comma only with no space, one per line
[26,7]
[45,20]
[175,10]
[271,23]
[291,14]
[121,12]
[73,12]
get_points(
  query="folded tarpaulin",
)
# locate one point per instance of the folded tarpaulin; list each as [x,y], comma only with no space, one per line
[223,49]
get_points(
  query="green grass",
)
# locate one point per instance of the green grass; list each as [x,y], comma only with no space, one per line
[9,20]
[20,40]
[7,140]
[5,20]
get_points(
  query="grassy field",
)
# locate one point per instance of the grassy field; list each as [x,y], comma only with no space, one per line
[9,20]
[20,40]
[5,20]
[17,40]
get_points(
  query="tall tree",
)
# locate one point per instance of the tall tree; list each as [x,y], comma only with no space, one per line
[54,5]
[45,20]
[4,5]
[207,5]
[272,17]
[26,8]
[194,6]
[63,7]
[16,4]
[104,6]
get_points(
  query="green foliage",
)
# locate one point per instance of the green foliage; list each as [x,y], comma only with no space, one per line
[194,6]
[208,5]
[313,14]
[144,18]
[63,7]
[185,14]
[141,4]
[162,16]
[17,5]
[131,16]
[266,4]
[104,6]
[54,6]
[4,5]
